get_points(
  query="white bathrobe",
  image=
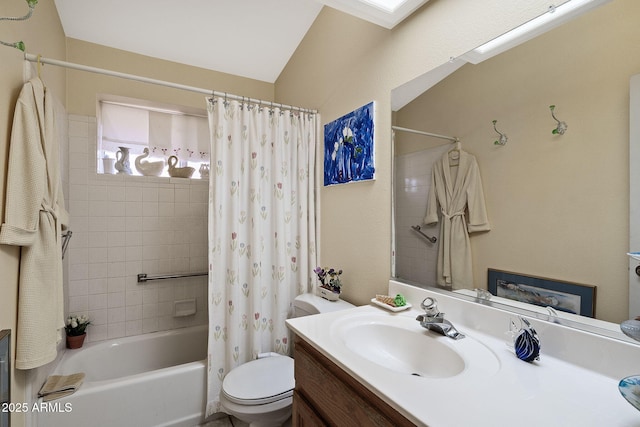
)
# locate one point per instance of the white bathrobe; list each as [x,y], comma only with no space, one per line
[34,216]
[456,197]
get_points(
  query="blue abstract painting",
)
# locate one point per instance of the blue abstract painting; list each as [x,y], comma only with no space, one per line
[348,147]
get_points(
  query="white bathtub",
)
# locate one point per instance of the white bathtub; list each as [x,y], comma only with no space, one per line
[156,379]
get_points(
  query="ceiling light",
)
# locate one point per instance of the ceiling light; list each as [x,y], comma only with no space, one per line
[554,16]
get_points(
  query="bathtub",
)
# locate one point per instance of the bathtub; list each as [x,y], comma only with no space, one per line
[156,379]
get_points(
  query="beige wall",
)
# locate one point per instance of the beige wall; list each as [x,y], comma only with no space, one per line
[336,72]
[41,34]
[558,205]
[83,87]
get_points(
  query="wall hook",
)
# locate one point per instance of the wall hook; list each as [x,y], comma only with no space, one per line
[562,126]
[19,44]
[503,137]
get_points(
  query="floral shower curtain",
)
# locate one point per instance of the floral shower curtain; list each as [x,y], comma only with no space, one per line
[262,237]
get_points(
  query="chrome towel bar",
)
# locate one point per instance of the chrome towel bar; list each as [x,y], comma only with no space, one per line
[143,277]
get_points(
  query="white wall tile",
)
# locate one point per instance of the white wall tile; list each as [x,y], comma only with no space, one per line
[123,226]
[78,272]
[116,330]
[78,303]
[150,194]
[133,209]
[133,194]
[97,270]
[116,299]
[166,195]
[150,325]
[118,209]
[98,239]
[150,209]
[98,286]
[78,287]
[133,327]
[134,299]
[78,128]
[116,285]
[97,302]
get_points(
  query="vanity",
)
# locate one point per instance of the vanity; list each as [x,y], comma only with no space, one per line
[371,366]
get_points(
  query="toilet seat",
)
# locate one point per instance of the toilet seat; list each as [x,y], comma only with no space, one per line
[260,381]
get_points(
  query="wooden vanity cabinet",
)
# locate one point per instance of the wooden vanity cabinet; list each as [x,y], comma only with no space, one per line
[325,395]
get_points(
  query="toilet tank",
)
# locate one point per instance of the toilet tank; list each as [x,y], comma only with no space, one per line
[307,304]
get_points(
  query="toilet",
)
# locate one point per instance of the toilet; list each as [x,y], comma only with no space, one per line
[260,392]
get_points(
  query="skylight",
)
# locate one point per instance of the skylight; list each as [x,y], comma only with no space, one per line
[386,5]
[386,13]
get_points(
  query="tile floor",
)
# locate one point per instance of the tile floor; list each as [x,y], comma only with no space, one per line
[229,421]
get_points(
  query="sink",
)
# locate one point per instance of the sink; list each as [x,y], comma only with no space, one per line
[400,344]
[403,350]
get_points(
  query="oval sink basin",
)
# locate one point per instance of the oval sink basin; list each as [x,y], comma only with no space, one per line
[398,343]
[403,350]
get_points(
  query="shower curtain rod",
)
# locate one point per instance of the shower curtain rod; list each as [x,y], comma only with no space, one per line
[419,132]
[36,58]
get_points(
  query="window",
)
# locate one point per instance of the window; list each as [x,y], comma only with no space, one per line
[165,130]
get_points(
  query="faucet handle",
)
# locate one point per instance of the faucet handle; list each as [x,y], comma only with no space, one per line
[430,306]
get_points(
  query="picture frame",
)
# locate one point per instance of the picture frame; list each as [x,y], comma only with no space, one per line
[559,294]
[348,147]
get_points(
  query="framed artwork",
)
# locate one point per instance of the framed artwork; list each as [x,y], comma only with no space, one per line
[560,295]
[348,147]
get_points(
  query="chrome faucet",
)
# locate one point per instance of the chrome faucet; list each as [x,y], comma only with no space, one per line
[433,320]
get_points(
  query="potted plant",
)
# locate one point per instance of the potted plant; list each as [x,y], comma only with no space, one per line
[330,284]
[76,330]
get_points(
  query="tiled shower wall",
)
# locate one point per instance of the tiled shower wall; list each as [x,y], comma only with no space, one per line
[125,225]
[415,256]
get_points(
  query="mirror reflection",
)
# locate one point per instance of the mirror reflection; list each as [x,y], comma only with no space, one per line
[557,202]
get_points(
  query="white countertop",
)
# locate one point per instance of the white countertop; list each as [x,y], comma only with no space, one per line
[549,392]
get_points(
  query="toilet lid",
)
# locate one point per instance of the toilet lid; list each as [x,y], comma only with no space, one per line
[260,381]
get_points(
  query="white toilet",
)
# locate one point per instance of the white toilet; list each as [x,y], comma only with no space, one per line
[260,392]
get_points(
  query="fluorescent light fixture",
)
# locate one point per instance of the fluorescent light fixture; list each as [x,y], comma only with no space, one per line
[537,26]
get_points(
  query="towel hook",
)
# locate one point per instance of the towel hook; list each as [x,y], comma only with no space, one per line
[503,137]
[562,126]
[39,66]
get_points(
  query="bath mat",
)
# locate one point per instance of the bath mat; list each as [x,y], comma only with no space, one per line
[58,386]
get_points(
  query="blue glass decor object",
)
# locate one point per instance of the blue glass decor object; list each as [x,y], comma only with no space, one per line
[348,147]
[526,343]
[630,389]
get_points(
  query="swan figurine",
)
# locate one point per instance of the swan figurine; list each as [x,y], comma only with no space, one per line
[184,172]
[147,168]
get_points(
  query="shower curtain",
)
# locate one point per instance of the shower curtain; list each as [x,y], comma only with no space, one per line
[262,236]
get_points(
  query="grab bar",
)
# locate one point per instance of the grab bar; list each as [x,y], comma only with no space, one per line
[66,236]
[143,277]
[432,239]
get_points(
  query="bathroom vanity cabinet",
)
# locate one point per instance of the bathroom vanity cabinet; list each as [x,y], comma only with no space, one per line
[326,395]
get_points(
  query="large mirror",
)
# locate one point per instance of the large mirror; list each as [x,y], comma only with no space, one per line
[558,204]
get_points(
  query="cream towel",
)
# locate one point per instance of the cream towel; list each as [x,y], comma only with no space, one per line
[34,216]
[58,386]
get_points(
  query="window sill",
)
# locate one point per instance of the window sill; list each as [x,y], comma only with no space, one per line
[149,179]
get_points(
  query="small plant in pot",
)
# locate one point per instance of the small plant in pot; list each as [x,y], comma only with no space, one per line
[330,284]
[76,330]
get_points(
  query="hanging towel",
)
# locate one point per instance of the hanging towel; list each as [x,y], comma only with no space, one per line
[58,386]
[34,216]
[456,196]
